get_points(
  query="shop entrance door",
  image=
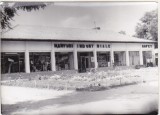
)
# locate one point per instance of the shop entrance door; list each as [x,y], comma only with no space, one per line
[84,63]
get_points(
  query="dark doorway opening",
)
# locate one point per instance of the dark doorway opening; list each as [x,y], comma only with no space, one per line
[84,61]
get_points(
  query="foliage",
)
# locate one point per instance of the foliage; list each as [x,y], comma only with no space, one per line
[7,11]
[148,27]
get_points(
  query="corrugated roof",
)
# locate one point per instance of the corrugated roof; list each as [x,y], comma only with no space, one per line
[72,34]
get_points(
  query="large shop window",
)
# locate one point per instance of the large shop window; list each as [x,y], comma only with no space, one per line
[103,59]
[119,58]
[12,62]
[64,61]
[40,61]
[134,58]
[147,57]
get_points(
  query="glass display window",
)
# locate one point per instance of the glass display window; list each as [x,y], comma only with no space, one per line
[64,61]
[103,59]
[12,62]
[40,61]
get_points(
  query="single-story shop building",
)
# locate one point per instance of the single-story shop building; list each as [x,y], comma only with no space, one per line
[40,48]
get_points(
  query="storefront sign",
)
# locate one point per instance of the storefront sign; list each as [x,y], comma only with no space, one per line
[61,45]
[103,45]
[146,46]
[84,45]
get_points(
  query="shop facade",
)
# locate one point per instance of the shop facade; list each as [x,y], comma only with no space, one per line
[40,55]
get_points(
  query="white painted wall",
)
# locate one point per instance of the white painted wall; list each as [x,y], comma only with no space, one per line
[119,46]
[39,46]
[11,46]
[134,46]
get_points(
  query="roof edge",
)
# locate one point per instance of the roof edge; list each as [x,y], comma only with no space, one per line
[57,40]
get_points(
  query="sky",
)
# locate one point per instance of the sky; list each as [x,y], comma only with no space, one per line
[114,16]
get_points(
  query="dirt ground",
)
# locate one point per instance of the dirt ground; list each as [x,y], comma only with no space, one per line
[132,99]
[141,98]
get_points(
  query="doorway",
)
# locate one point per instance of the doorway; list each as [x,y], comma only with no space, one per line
[84,61]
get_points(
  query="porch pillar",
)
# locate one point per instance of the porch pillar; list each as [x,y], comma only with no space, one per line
[112,57]
[141,57]
[53,60]
[95,56]
[27,62]
[75,57]
[127,58]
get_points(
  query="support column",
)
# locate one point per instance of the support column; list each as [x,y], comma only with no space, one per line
[127,58]
[53,60]
[141,57]
[95,56]
[27,62]
[112,57]
[75,57]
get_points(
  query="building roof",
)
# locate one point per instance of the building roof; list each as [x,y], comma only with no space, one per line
[67,34]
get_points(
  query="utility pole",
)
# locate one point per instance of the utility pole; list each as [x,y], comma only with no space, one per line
[95,27]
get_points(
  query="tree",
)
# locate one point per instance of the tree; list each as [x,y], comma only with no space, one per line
[9,10]
[148,28]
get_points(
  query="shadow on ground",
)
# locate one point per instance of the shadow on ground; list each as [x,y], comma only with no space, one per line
[69,99]
[65,100]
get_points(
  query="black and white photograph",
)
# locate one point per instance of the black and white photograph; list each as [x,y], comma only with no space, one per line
[79,57]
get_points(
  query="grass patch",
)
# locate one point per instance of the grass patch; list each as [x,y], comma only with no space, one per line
[90,81]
